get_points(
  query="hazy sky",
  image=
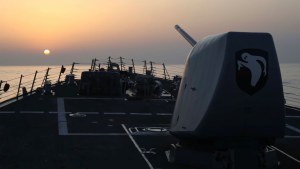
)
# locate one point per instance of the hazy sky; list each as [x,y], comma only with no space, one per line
[79,30]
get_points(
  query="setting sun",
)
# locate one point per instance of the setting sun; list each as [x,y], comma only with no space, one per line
[46,52]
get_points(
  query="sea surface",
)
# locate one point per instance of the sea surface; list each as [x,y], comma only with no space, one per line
[11,74]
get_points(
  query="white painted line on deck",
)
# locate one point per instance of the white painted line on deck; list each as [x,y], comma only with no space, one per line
[162,99]
[63,129]
[61,117]
[88,112]
[7,112]
[114,113]
[97,134]
[292,116]
[284,153]
[164,114]
[150,134]
[292,128]
[55,112]
[32,112]
[89,98]
[141,114]
[137,147]
[130,129]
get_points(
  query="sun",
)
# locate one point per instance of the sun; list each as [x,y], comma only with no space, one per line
[46,52]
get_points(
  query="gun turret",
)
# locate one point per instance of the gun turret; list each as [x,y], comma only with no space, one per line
[230,102]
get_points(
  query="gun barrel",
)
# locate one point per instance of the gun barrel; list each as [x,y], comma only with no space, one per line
[185,35]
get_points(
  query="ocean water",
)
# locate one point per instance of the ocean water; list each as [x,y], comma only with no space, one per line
[290,75]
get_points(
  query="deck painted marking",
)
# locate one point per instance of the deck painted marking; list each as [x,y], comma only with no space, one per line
[150,134]
[55,112]
[164,114]
[137,147]
[7,112]
[141,114]
[89,98]
[130,129]
[114,113]
[284,153]
[149,131]
[97,134]
[293,128]
[32,112]
[61,117]
[292,116]
[88,112]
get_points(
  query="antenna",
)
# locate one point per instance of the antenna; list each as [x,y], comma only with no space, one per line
[185,35]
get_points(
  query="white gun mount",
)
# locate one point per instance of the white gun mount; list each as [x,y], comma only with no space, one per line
[230,101]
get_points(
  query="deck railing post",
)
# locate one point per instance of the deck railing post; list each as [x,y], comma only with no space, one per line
[95,63]
[92,64]
[145,67]
[33,81]
[165,72]
[72,68]
[109,63]
[133,65]
[121,63]
[151,67]
[19,87]
[45,77]
[62,67]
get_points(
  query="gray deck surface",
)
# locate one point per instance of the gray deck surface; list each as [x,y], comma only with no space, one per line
[38,132]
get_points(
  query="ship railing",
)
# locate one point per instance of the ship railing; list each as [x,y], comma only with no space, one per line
[291,95]
[28,84]
[291,92]
[158,69]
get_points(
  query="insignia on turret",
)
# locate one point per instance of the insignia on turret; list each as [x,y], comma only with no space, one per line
[251,69]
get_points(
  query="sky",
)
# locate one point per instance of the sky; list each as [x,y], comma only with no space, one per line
[141,29]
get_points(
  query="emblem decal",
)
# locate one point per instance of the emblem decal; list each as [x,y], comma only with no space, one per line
[251,69]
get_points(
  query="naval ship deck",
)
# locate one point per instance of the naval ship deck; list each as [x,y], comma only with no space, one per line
[86,133]
[108,133]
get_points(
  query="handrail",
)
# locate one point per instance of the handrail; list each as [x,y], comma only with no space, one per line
[29,81]
[291,93]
